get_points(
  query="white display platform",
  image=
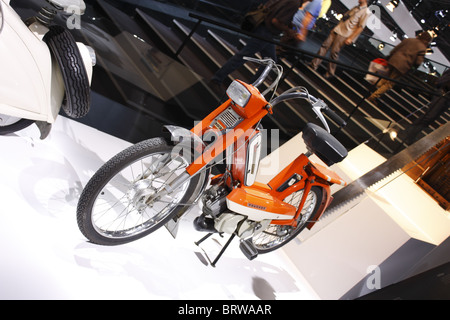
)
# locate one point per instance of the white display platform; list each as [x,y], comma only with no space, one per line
[44,256]
[374,241]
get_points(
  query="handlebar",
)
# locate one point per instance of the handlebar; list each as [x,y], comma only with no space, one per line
[334,116]
[318,105]
[270,65]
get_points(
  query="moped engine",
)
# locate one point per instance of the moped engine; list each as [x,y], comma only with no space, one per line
[230,222]
[214,200]
[217,218]
[213,204]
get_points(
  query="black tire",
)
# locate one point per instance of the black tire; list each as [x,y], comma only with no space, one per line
[16,126]
[126,205]
[276,236]
[63,47]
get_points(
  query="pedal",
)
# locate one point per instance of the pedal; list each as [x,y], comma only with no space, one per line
[248,249]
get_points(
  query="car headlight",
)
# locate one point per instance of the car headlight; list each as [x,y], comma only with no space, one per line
[238,93]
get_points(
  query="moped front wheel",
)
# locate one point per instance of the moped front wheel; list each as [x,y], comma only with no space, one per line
[276,236]
[122,203]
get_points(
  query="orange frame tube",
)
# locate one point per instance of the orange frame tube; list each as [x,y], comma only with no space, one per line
[223,141]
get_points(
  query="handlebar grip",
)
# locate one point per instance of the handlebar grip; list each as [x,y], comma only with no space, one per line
[334,116]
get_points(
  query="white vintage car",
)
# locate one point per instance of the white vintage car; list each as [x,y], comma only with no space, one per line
[42,69]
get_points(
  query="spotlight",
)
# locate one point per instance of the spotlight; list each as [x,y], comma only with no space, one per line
[440,14]
[431,68]
[392,5]
[392,133]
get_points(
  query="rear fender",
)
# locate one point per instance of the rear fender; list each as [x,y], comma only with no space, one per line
[325,202]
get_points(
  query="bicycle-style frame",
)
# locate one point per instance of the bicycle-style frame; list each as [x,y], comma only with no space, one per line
[263,216]
[258,198]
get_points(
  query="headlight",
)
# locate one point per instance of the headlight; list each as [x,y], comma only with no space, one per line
[238,93]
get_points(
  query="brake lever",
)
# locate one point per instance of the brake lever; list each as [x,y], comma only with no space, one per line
[317,108]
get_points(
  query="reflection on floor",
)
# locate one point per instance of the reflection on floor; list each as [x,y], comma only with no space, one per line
[44,256]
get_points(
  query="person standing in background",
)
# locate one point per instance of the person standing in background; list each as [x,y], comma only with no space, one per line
[407,54]
[279,19]
[305,18]
[326,4]
[345,33]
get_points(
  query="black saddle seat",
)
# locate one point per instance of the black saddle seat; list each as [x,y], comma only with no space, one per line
[323,144]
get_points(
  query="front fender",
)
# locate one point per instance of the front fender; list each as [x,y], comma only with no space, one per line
[194,144]
[186,137]
[180,134]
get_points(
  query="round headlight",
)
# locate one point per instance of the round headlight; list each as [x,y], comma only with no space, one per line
[238,93]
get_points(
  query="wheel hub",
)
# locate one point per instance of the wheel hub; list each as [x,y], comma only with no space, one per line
[139,193]
[283,230]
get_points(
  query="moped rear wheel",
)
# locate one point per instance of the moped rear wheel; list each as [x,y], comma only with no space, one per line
[120,203]
[276,236]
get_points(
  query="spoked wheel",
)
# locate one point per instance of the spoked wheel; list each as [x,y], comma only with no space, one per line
[275,236]
[122,203]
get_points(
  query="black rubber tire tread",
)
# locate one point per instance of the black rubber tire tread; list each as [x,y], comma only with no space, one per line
[102,177]
[76,82]
[319,194]
[17,126]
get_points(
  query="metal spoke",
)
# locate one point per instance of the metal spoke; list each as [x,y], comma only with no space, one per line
[276,235]
[121,209]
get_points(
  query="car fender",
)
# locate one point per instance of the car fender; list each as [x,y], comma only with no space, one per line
[27,90]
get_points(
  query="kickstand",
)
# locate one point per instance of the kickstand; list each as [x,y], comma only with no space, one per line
[213,263]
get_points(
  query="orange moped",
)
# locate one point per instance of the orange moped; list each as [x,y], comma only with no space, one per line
[154,182]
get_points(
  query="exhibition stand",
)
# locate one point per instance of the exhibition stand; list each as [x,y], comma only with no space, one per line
[376,240]
[382,237]
[44,255]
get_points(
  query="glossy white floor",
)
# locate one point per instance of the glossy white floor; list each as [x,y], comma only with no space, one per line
[44,256]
